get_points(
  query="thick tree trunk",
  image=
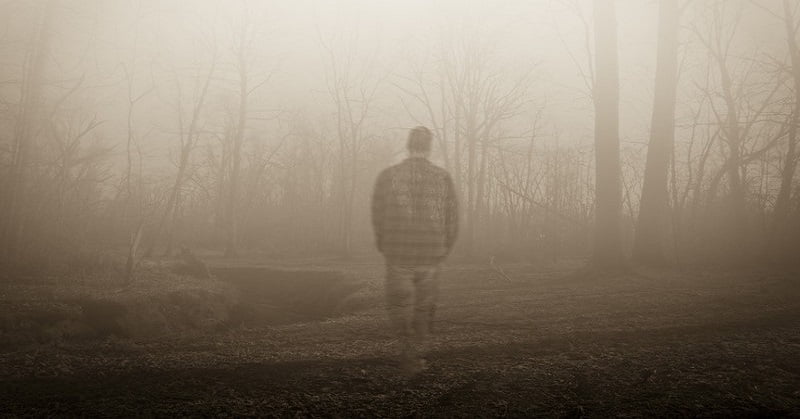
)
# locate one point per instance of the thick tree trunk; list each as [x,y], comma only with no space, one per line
[651,230]
[777,246]
[24,135]
[607,239]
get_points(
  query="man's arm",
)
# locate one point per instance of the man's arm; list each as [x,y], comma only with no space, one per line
[451,214]
[378,208]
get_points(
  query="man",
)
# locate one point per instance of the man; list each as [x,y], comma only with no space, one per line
[415,218]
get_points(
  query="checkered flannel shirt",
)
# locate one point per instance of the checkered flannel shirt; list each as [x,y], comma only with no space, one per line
[414,213]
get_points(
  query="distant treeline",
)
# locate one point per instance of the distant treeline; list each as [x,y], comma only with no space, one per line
[716,184]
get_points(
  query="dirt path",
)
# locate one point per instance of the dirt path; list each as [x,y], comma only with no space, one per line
[545,344]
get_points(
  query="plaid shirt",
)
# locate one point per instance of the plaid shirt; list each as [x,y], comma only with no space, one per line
[414,213]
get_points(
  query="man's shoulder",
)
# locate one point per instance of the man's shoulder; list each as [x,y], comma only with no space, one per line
[407,165]
[388,174]
[389,171]
[440,171]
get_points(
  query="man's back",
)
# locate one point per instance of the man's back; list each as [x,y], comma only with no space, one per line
[415,213]
[415,217]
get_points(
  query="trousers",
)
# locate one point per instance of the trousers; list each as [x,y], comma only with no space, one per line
[411,296]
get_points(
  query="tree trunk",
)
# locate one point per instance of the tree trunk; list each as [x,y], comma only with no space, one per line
[348,244]
[737,220]
[777,246]
[187,145]
[443,108]
[651,230]
[24,135]
[457,149]
[232,233]
[471,163]
[480,194]
[607,239]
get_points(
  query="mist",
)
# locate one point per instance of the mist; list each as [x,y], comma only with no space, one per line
[620,185]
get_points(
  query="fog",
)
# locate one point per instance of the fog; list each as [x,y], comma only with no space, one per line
[104,59]
[233,147]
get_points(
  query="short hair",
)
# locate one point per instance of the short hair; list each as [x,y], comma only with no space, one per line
[419,139]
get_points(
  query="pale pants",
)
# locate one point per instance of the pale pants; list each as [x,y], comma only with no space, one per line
[411,294]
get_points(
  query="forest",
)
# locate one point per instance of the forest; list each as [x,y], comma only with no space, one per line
[160,154]
[146,126]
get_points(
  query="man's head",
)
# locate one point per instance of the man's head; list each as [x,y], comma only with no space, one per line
[419,141]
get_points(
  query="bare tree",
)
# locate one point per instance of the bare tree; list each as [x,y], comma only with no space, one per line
[28,123]
[738,108]
[188,137]
[131,141]
[469,99]
[607,240]
[777,245]
[352,83]
[244,53]
[650,240]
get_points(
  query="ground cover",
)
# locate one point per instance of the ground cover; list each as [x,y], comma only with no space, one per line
[543,342]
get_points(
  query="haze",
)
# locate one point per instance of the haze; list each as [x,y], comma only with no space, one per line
[184,175]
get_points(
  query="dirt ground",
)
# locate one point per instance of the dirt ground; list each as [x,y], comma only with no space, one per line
[547,342]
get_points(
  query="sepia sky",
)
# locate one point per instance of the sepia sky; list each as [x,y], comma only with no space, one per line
[159,42]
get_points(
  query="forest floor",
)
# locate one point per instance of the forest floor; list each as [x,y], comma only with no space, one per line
[542,342]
